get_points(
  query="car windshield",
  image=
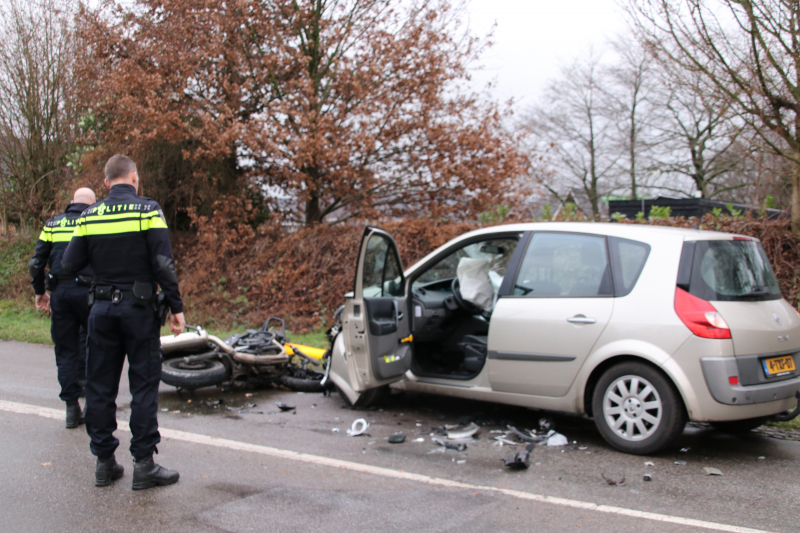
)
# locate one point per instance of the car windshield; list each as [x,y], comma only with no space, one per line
[732,270]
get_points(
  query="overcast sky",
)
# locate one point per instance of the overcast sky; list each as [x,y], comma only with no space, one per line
[533,37]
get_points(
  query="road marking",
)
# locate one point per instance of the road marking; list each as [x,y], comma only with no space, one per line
[196,438]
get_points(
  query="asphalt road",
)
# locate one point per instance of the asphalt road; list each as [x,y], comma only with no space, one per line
[290,471]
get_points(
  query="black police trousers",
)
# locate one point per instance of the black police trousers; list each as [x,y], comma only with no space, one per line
[117,329]
[69,315]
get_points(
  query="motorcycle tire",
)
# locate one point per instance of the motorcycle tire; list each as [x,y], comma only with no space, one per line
[202,374]
[308,384]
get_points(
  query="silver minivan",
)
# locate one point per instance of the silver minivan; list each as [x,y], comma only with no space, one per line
[640,327]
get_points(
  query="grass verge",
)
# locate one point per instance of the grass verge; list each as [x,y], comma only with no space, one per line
[20,321]
[25,323]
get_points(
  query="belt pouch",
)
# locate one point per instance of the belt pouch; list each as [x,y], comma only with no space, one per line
[90,298]
[141,293]
[103,292]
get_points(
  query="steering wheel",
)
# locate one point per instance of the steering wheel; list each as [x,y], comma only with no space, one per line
[469,307]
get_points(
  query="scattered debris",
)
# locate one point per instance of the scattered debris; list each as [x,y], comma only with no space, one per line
[46,464]
[397,438]
[283,407]
[164,410]
[761,458]
[649,463]
[461,461]
[459,447]
[711,471]
[614,482]
[248,395]
[215,403]
[684,450]
[680,463]
[546,424]
[648,477]
[523,436]
[519,461]
[502,440]
[420,439]
[335,430]
[250,412]
[556,439]
[359,427]
[465,433]
[583,448]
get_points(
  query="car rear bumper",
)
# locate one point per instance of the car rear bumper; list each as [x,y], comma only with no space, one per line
[718,370]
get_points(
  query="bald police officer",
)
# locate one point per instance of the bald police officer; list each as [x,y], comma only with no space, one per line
[125,240]
[66,302]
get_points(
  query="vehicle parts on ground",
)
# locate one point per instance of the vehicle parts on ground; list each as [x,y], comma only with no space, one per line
[195,359]
[519,461]
[359,427]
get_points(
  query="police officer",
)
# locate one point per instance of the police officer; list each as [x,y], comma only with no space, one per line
[126,241]
[66,302]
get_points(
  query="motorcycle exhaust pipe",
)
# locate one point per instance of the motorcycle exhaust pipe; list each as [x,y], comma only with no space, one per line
[252,359]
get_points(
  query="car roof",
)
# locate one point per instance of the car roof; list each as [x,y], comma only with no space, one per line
[614,229]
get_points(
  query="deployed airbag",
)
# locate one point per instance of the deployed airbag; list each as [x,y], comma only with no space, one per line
[475,285]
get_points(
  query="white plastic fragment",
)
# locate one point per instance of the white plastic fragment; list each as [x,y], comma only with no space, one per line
[420,439]
[335,430]
[649,463]
[557,439]
[465,433]
[359,427]
[711,471]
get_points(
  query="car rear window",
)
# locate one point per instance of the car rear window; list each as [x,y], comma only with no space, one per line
[628,259]
[728,270]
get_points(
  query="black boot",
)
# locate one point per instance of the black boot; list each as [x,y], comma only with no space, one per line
[147,474]
[106,471]
[74,415]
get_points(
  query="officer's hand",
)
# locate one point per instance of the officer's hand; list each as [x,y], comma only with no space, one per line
[176,323]
[42,301]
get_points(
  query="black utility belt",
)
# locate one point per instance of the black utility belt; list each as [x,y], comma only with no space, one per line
[51,281]
[141,294]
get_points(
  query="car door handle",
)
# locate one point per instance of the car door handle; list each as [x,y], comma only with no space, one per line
[581,320]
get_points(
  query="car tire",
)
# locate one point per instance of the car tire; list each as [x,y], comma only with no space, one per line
[740,426]
[202,374]
[367,398]
[637,409]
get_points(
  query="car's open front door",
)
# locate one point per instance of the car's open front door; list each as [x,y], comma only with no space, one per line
[374,348]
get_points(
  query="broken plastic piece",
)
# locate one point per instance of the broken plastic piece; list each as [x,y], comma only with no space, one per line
[614,482]
[523,436]
[359,427]
[649,463]
[546,424]
[684,450]
[680,463]
[711,471]
[557,439]
[502,440]
[459,447]
[335,430]
[519,461]
[467,432]
[420,439]
[648,477]
[461,461]
[283,407]
[215,402]
[397,438]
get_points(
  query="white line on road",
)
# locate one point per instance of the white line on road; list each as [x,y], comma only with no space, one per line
[27,409]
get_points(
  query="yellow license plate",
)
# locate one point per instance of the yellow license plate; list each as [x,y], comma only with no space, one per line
[775,366]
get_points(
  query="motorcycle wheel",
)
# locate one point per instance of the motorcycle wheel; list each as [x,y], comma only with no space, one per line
[194,375]
[310,383]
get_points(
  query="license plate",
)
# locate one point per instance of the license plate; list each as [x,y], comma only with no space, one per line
[778,366]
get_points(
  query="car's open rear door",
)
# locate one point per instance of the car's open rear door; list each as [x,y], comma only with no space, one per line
[374,348]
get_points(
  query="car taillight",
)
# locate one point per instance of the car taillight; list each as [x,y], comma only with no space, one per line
[700,316]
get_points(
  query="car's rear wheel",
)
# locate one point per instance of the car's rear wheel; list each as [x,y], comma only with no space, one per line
[740,426]
[637,409]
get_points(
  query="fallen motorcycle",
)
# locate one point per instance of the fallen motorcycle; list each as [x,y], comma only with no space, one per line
[195,359]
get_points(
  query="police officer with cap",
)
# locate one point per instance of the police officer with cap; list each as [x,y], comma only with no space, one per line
[125,239]
[66,303]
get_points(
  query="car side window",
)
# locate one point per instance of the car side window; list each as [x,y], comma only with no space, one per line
[564,265]
[629,257]
[382,274]
[497,252]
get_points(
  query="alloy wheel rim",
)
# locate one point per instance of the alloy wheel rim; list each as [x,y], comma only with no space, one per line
[632,408]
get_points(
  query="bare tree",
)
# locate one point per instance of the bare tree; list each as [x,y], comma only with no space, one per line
[37,120]
[572,123]
[633,88]
[698,132]
[749,51]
